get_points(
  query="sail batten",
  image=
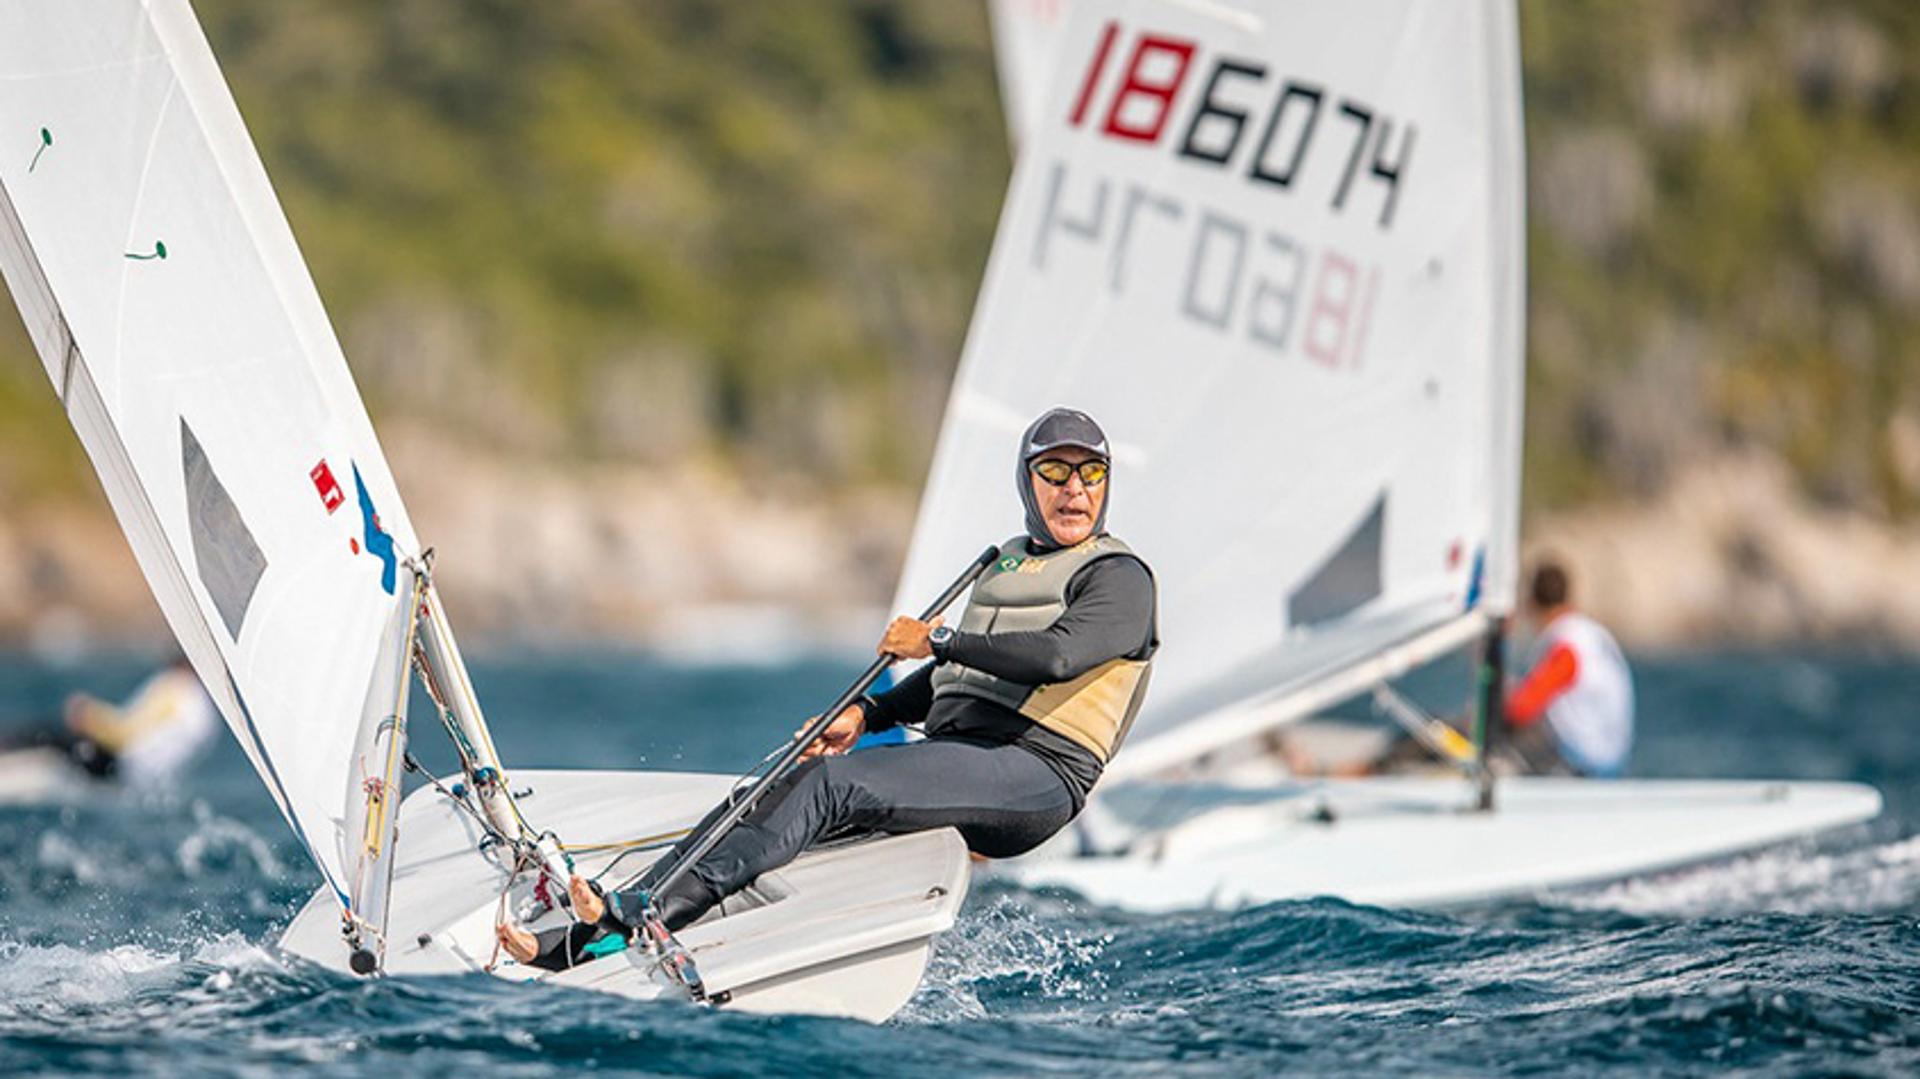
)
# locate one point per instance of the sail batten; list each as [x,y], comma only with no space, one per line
[1274,249]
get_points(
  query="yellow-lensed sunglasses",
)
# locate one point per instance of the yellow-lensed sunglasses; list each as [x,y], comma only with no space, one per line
[1093,473]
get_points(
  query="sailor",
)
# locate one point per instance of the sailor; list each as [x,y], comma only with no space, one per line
[145,742]
[1578,683]
[1023,704]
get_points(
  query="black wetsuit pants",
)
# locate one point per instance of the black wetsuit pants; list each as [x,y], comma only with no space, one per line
[1003,799]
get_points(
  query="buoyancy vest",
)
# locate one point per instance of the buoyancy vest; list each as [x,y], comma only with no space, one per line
[1026,592]
[1592,722]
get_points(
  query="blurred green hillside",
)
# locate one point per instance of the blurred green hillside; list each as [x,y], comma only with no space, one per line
[751,232]
[1725,243]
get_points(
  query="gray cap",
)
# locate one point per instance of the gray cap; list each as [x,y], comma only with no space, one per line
[1063,427]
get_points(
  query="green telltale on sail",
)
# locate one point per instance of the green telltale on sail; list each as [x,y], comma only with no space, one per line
[46,140]
[159,252]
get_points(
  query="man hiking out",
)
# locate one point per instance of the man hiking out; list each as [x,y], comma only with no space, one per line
[1023,705]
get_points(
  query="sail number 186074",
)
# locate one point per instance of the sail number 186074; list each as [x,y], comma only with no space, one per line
[1235,99]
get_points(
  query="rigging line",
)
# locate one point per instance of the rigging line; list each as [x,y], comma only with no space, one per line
[755,772]
[500,916]
[470,757]
[521,861]
[621,857]
[625,844]
[413,764]
[463,685]
[429,679]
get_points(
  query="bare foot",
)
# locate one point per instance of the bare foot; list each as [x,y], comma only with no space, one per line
[519,943]
[587,906]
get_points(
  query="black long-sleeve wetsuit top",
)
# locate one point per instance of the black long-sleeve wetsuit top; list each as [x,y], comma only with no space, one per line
[1109,614]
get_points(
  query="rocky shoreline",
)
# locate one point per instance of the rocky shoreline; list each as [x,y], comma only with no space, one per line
[1732,554]
[696,564]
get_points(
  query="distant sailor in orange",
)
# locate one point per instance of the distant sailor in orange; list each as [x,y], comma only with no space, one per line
[1573,713]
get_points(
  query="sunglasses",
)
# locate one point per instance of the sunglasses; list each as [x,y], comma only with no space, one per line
[1093,473]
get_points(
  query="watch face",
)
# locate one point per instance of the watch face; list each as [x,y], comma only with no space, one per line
[941,635]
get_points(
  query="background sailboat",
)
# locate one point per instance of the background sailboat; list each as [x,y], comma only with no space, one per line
[1278,250]
[1296,309]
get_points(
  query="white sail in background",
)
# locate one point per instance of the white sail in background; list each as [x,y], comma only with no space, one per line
[1276,249]
[1025,35]
[162,288]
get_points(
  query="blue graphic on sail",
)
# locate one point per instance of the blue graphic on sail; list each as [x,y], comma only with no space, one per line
[378,543]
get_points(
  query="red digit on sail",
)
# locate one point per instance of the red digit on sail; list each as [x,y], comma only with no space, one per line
[1155,93]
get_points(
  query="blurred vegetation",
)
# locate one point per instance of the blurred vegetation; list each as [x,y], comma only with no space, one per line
[1725,243]
[751,232]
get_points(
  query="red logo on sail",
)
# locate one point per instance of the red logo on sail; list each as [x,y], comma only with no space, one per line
[330,493]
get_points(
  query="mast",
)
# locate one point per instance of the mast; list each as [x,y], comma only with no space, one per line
[419,641]
[374,785]
[1490,708]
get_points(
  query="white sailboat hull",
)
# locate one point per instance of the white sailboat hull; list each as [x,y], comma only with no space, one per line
[1417,842]
[845,930]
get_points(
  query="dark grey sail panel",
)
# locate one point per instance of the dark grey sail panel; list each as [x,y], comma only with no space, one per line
[1348,579]
[225,553]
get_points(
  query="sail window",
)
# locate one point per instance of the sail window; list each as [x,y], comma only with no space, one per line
[1349,578]
[224,551]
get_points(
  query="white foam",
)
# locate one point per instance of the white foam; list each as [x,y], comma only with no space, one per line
[1005,938]
[1790,880]
[217,838]
[51,982]
[58,853]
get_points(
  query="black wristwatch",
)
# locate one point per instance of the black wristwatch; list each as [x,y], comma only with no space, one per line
[940,640]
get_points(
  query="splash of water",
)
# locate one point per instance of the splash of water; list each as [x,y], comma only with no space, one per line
[1005,947]
[217,840]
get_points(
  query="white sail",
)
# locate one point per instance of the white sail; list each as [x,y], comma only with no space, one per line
[1275,248]
[1025,35]
[162,288]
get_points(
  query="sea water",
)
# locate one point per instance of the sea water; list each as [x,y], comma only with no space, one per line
[137,934]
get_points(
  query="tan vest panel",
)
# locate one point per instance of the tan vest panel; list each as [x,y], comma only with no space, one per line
[1025,592]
